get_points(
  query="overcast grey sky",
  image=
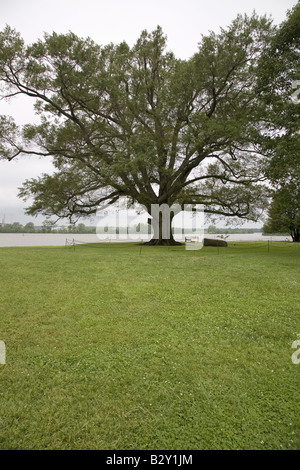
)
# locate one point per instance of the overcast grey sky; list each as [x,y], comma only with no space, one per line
[183,21]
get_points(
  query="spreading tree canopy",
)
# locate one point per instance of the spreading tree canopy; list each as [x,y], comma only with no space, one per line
[279,86]
[138,122]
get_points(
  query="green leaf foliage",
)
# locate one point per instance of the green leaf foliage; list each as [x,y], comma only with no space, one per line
[138,122]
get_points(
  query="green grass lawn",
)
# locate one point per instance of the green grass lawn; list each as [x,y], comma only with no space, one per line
[127,347]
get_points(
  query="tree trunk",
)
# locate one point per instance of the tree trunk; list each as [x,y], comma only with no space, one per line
[159,236]
[296,235]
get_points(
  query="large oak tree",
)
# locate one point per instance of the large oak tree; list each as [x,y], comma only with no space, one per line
[138,122]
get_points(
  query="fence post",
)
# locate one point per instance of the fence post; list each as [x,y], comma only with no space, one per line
[2,353]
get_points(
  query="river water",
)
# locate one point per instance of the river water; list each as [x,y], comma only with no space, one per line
[59,239]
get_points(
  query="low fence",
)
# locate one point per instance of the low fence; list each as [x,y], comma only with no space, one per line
[242,246]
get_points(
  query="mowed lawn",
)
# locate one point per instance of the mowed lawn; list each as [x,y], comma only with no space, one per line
[118,346]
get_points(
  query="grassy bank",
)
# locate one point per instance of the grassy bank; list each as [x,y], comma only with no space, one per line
[119,346]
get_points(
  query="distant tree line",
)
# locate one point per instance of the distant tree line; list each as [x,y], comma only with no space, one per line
[50,227]
[47,227]
[217,230]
